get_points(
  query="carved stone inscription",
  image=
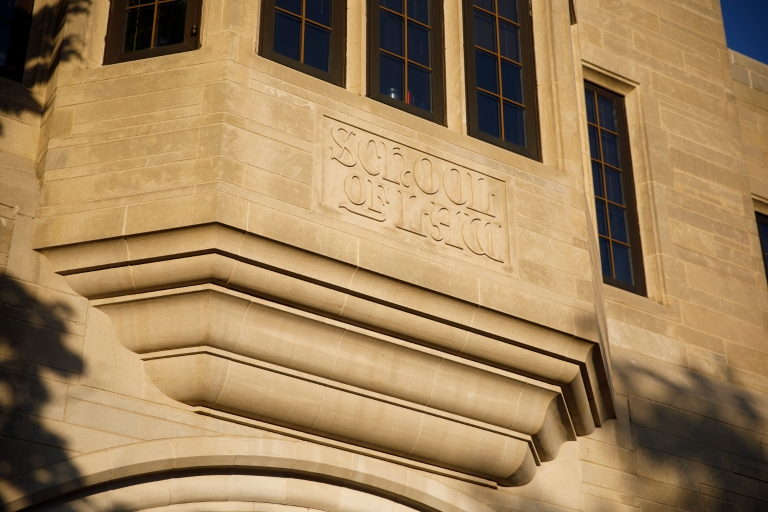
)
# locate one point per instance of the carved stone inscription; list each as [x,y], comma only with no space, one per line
[399,188]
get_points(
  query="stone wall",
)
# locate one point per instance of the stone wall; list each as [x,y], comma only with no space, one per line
[126,189]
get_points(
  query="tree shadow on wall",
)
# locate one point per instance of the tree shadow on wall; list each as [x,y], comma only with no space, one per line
[699,434]
[50,48]
[35,362]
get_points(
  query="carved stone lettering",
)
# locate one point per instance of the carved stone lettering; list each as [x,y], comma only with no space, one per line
[414,193]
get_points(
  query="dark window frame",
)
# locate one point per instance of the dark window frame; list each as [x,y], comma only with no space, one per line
[116,28]
[338,43]
[533,135]
[630,198]
[763,219]
[21,26]
[437,56]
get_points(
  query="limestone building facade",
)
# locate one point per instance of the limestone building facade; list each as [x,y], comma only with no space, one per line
[328,255]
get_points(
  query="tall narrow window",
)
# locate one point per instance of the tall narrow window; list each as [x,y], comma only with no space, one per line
[501,89]
[139,29]
[617,225]
[307,35]
[15,22]
[405,65]
[762,231]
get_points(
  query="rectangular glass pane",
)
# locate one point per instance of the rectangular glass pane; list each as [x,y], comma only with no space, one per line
[395,5]
[605,257]
[391,30]
[419,10]
[618,219]
[763,231]
[600,213]
[514,124]
[134,3]
[512,81]
[597,179]
[508,9]
[509,41]
[419,87]
[171,22]
[486,71]
[610,148]
[614,186]
[418,43]
[319,11]
[391,76]
[138,29]
[590,97]
[607,113]
[485,4]
[317,47]
[485,30]
[5,39]
[594,144]
[290,5]
[488,115]
[8,6]
[287,35]
[622,263]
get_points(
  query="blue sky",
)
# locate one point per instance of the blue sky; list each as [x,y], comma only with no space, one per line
[746,27]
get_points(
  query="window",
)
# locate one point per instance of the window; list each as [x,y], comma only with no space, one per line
[762,231]
[15,22]
[617,225]
[307,35]
[405,56]
[148,28]
[501,88]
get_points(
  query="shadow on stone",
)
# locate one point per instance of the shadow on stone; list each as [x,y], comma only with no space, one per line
[35,364]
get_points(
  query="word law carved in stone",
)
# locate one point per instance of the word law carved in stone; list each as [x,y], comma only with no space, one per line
[417,193]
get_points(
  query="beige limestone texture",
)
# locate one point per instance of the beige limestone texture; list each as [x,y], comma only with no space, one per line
[358,265]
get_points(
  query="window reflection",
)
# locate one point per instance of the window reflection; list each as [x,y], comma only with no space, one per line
[303,32]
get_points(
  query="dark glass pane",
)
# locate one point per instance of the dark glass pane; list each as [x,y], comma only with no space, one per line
[391,76]
[319,11]
[486,71]
[591,107]
[5,39]
[7,7]
[485,4]
[317,47]
[610,148]
[488,118]
[287,35]
[514,124]
[618,219]
[512,81]
[419,10]
[622,263]
[594,144]
[509,41]
[418,43]
[597,179]
[485,31]
[138,29]
[607,114]
[391,27]
[395,5]
[508,9]
[419,87]
[133,3]
[605,257]
[600,213]
[171,21]
[290,5]
[613,184]
[763,230]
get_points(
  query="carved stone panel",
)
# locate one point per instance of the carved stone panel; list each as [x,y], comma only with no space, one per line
[412,195]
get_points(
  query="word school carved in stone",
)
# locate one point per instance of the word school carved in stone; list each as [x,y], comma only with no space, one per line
[410,191]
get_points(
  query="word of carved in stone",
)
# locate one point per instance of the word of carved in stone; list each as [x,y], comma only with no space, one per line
[418,193]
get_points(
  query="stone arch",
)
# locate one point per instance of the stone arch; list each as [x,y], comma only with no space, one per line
[238,471]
